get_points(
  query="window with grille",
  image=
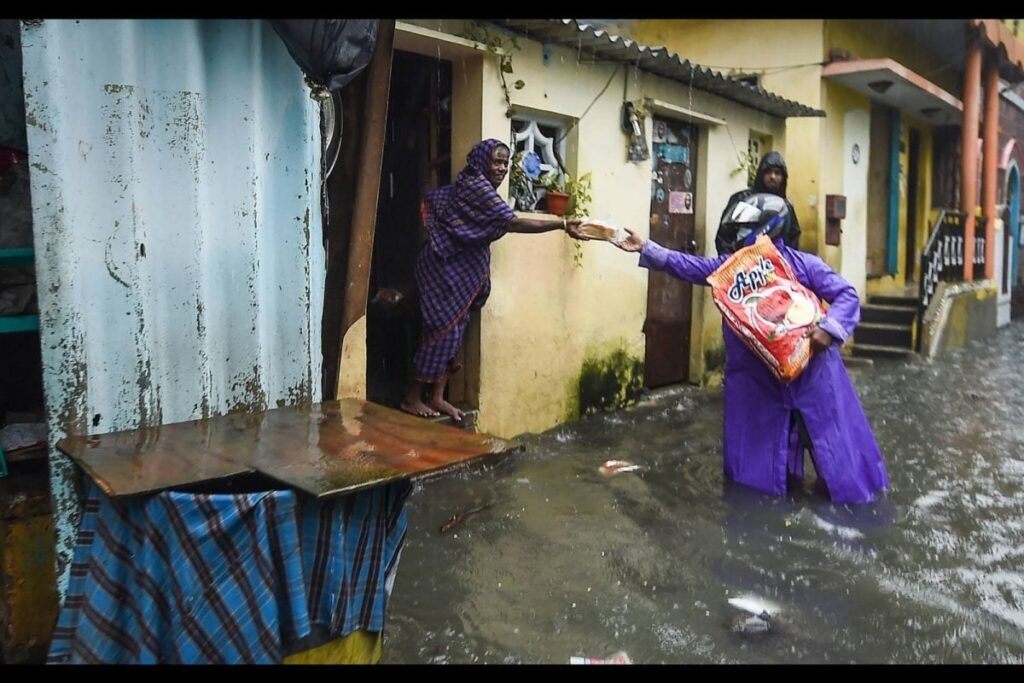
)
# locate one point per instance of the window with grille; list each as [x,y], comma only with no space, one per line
[545,137]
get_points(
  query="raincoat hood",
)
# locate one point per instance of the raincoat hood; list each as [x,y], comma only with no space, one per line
[771,160]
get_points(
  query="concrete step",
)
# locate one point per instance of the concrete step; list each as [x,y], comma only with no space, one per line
[879,351]
[468,422]
[885,313]
[884,300]
[884,334]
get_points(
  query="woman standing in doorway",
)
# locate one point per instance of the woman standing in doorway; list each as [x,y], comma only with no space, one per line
[453,270]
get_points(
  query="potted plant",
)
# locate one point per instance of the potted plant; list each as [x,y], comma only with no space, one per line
[557,196]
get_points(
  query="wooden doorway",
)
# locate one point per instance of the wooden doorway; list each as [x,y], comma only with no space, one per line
[673,206]
[416,159]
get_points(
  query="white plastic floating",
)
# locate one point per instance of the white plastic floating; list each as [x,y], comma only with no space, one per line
[617,467]
[754,605]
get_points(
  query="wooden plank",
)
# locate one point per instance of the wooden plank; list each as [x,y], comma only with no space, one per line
[364,215]
[323,449]
[153,459]
[353,444]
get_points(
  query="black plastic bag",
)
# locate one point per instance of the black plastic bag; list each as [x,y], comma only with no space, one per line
[331,52]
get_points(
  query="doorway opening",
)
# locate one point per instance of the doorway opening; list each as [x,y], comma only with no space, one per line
[417,158]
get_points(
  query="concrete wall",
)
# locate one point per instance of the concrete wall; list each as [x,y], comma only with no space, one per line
[958,313]
[848,123]
[878,38]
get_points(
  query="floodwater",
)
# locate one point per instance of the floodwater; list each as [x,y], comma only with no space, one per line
[563,561]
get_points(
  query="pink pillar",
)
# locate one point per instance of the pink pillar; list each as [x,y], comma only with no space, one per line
[989,160]
[969,150]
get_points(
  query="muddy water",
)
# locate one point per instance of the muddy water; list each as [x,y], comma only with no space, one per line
[566,561]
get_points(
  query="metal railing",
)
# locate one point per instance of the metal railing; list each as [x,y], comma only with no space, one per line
[943,256]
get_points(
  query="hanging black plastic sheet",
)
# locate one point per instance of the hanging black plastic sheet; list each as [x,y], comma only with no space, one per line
[331,52]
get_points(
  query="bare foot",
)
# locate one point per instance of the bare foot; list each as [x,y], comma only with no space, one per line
[418,408]
[447,408]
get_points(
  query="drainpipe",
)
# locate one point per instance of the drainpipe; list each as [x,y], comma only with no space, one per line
[969,149]
[989,161]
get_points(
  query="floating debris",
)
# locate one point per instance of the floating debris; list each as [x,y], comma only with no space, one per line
[460,517]
[617,467]
[754,605]
[758,617]
[617,658]
[751,624]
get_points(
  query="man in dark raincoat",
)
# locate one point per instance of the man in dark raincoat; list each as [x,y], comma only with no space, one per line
[772,177]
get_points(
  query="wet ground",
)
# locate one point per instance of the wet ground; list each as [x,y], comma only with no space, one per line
[566,561]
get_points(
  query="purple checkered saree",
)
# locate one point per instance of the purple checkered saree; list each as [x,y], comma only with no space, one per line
[453,270]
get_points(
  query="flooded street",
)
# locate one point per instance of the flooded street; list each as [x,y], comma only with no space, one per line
[564,561]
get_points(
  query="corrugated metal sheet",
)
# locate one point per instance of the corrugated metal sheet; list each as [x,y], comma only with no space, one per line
[176,201]
[606,46]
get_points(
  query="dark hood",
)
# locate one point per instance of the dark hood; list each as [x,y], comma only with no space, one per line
[771,160]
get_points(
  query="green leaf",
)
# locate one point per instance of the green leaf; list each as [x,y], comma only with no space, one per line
[506,65]
[519,85]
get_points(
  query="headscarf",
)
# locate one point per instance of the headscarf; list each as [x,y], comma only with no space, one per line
[469,211]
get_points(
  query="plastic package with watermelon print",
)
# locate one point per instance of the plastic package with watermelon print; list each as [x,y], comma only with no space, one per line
[766,306]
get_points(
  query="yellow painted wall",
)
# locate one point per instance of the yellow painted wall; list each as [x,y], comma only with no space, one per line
[922,228]
[837,102]
[926,160]
[878,38]
[787,54]
[545,316]
[878,189]
[735,45]
[874,39]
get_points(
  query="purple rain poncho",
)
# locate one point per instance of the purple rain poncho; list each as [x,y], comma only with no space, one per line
[761,444]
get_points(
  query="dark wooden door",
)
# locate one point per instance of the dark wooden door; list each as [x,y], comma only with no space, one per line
[669,300]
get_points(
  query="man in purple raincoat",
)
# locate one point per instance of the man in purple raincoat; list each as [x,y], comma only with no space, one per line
[453,270]
[764,417]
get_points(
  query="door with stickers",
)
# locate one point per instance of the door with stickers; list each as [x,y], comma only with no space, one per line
[673,203]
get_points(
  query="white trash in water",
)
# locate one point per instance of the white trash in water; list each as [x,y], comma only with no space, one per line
[617,658]
[617,467]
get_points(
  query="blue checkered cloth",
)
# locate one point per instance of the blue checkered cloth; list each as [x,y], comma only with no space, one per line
[180,578]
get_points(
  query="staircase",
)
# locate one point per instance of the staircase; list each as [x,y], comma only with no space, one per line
[886,328]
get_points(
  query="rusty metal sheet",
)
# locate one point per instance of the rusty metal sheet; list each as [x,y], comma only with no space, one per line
[176,175]
[322,449]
